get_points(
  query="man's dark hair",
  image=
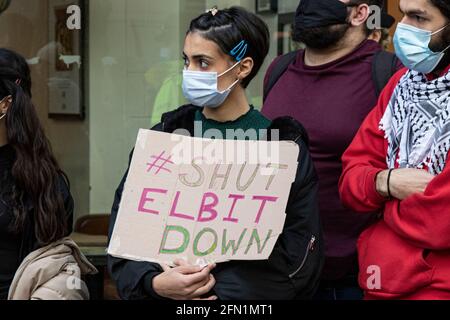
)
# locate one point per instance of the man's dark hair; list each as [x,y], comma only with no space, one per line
[379,3]
[228,27]
[443,6]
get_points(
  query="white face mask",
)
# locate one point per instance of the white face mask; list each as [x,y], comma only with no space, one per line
[201,88]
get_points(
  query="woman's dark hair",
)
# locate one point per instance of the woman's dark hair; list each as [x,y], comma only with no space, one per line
[4,5]
[36,176]
[229,27]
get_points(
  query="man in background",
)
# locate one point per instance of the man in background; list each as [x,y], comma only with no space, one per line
[330,87]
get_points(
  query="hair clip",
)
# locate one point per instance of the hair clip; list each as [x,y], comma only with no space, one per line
[240,50]
[214,10]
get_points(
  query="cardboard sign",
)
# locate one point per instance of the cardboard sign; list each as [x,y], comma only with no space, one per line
[204,207]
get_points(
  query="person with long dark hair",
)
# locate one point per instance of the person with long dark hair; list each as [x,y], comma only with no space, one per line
[36,207]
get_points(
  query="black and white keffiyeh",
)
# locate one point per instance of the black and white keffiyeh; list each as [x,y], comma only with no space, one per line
[417,123]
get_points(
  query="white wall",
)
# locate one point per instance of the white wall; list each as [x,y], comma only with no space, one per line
[135,49]
[25,29]
[138,40]
[287,6]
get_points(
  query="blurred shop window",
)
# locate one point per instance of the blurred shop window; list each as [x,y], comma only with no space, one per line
[169,95]
[286,43]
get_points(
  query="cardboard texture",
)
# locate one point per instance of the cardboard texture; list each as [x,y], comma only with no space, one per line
[205,201]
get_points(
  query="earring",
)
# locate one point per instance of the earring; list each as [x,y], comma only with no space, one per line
[2,116]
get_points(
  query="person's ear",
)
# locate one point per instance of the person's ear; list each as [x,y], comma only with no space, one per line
[4,105]
[359,15]
[246,67]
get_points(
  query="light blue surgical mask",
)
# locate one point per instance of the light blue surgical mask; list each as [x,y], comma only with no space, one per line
[201,88]
[412,48]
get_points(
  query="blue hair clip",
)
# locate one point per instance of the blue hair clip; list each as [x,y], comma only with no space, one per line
[240,50]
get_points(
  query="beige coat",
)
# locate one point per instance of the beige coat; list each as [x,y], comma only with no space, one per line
[52,273]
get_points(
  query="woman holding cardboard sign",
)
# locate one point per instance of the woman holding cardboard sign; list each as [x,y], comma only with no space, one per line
[223,52]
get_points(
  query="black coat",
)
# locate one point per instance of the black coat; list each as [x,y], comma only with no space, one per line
[26,241]
[294,268]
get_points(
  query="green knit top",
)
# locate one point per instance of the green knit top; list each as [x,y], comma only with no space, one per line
[253,119]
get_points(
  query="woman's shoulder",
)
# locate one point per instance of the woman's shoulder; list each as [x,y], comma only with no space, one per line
[187,109]
[181,117]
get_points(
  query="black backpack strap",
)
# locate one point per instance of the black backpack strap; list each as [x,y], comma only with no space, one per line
[384,66]
[278,70]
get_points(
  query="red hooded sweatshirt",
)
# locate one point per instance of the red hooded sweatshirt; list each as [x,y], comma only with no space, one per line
[405,255]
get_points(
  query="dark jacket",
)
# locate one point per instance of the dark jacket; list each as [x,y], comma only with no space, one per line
[25,242]
[293,269]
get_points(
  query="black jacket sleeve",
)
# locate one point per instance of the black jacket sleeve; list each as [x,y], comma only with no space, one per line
[68,202]
[294,267]
[302,237]
[133,279]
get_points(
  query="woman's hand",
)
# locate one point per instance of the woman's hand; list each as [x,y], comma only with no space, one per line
[403,183]
[185,282]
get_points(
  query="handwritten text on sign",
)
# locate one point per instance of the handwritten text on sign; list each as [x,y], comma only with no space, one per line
[201,211]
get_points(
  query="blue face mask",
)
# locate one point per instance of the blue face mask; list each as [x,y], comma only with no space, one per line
[200,88]
[412,48]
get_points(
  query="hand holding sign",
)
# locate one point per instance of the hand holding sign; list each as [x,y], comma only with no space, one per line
[184,281]
[202,211]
